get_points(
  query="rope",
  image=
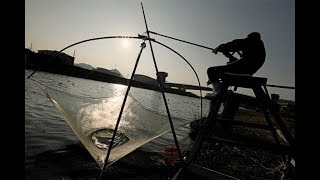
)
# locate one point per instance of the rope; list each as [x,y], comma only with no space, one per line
[191,68]
[182,40]
[278,86]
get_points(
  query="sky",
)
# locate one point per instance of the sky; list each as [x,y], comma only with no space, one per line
[53,25]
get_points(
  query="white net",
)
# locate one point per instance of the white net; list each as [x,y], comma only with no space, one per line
[144,118]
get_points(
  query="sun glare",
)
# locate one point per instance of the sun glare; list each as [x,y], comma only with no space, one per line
[125,43]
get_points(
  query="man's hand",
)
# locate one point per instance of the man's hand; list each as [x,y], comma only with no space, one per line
[215,51]
[218,49]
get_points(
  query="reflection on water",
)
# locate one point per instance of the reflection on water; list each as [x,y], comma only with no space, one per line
[87,116]
[89,106]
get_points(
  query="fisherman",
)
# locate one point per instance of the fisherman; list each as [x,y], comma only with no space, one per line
[252,56]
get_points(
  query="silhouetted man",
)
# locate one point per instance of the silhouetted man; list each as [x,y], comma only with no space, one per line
[252,56]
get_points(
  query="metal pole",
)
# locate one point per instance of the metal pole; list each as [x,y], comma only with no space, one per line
[161,88]
[143,45]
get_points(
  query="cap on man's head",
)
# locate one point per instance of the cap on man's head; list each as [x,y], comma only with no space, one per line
[254,35]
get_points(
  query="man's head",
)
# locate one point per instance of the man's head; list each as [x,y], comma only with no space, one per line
[254,35]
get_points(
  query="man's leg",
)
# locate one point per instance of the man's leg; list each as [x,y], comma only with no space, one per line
[214,74]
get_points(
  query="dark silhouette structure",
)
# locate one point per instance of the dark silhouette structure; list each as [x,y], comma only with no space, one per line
[161,77]
[47,57]
[252,56]
[219,127]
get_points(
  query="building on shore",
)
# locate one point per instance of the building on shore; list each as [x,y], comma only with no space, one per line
[161,77]
[144,79]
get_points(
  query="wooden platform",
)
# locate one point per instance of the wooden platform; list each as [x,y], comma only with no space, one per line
[225,128]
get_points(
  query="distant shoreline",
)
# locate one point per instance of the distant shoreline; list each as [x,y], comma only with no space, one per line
[75,71]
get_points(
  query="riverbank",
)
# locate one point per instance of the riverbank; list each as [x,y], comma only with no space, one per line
[247,162]
[48,133]
[79,72]
[234,160]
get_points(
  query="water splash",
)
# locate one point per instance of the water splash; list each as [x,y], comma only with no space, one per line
[102,138]
[93,121]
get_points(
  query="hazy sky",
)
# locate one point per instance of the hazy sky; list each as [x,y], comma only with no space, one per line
[56,24]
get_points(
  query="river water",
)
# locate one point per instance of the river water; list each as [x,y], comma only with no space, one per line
[58,141]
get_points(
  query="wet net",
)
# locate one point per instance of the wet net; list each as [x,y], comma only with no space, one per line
[93,118]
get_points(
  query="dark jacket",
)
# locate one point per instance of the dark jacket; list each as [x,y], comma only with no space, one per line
[252,48]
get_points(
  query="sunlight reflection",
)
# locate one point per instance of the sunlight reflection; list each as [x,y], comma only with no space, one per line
[103,114]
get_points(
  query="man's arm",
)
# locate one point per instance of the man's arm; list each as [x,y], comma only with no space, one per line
[233,46]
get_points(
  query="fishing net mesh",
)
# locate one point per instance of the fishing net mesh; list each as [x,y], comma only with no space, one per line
[93,118]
